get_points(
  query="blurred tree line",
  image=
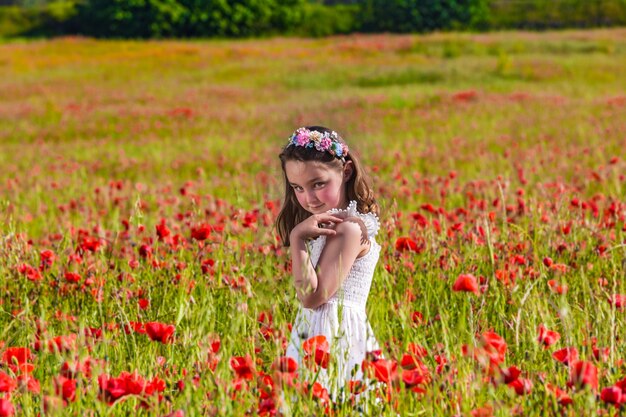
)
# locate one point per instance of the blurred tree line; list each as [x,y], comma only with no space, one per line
[249,18]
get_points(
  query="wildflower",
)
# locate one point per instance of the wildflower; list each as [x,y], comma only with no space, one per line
[385,370]
[494,346]
[547,337]
[618,300]
[72,277]
[16,355]
[404,244]
[6,408]
[7,384]
[613,395]
[521,386]
[583,374]
[243,367]
[466,283]
[47,258]
[160,332]
[29,272]
[162,230]
[201,232]
[317,348]
[562,396]
[566,355]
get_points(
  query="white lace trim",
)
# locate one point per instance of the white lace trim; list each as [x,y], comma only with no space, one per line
[371,221]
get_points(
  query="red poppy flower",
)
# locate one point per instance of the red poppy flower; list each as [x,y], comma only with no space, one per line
[566,355]
[72,277]
[557,287]
[267,407]
[201,232]
[31,383]
[409,361]
[7,384]
[112,389]
[561,396]
[16,355]
[155,385]
[415,380]
[441,363]
[47,258]
[417,318]
[510,374]
[317,347]
[420,219]
[385,370]
[547,337]
[319,392]
[243,367]
[521,386]
[143,303]
[494,346]
[91,244]
[73,370]
[145,251]
[63,343]
[66,388]
[618,300]
[583,374]
[32,274]
[466,283]
[465,96]
[429,208]
[285,364]
[162,230]
[6,408]
[613,395]
[406,244]
[160,332]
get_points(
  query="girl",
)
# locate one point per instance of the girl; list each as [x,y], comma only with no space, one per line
[329,220]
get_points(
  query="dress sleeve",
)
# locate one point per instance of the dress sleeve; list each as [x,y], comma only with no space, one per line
[372,224]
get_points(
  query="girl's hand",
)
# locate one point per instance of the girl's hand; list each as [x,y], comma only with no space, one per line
[314,226]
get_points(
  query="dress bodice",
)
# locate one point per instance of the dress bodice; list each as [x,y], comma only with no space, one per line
[356,287]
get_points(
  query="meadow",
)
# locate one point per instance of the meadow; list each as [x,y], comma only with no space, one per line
[141,273]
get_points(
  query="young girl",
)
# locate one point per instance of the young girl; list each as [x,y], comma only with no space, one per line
[329,220]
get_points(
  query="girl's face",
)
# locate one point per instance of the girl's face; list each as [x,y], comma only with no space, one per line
[318,187]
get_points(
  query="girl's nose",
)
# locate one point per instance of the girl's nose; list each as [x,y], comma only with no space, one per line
[311,198]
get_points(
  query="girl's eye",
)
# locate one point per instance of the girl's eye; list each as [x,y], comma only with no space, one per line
[321,184]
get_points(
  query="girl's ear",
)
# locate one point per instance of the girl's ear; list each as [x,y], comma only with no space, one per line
[348,169]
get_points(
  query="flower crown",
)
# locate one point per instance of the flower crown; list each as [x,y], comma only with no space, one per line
[323,142]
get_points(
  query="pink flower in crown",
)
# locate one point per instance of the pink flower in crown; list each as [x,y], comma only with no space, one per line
[324,144]
[302,138]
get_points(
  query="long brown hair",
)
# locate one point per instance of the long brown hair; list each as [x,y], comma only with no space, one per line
[358,187]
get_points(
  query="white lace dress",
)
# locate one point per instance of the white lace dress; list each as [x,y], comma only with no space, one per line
[342,318]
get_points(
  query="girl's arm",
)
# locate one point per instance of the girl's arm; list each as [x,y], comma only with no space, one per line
[305,277]
[314,288]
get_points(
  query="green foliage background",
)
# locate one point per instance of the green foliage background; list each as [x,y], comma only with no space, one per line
[253,18]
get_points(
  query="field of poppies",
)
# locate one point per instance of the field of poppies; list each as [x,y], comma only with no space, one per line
[141,274]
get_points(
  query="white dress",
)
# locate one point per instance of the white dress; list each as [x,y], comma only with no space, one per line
[342,318]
